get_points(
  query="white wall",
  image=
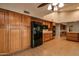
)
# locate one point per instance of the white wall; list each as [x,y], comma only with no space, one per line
[75,26]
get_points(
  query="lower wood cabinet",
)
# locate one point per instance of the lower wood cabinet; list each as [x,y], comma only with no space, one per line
[19,39]
[47,36]
[14,32]
[15,40]
[3,41]
[72,36]
[12,40]
[26,38]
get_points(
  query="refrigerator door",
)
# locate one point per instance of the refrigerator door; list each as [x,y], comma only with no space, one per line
[36,38]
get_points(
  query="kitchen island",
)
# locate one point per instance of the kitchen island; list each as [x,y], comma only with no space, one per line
[73,36]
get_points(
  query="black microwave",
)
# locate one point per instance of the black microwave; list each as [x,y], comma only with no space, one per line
[45,26]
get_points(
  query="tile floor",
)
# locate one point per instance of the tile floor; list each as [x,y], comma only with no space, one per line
[55,47]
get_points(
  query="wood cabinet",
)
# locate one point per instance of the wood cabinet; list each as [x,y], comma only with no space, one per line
[47,36]
[72,36]
[3,41]
[14,31]
[25,39]
[3,32]
[49,24]
[26,20]
[26,32]
[1,17]
[14,18]
[14,22]
[15,40]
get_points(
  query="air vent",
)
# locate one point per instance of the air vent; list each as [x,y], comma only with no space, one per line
[27,12]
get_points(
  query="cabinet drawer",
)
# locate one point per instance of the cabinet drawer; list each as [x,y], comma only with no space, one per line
[72,35]
[72,38]
[47,36]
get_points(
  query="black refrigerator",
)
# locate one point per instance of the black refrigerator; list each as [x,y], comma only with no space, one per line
[36,34]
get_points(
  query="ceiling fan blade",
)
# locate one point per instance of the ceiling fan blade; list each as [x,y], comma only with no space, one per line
[41,5]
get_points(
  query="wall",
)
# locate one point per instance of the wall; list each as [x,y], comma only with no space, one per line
[75,26]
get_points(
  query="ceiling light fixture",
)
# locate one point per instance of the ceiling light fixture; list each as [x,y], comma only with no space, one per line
[55,3]
[61,5]
[49,7]
[55,8]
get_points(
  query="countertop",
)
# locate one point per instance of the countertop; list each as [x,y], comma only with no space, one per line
[72,32]
[47,31]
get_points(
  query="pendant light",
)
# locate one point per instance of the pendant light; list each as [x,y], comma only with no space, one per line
[61,5]
[55,8]
[49,7]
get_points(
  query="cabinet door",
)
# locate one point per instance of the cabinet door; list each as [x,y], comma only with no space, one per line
[26,41]
[1,18]
[14,18]
[48,23]
[3,32]
[15,40]
[26,20]
[26,29]
[2,38]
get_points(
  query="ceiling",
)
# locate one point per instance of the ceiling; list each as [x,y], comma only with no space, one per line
[32,8]
[70,7]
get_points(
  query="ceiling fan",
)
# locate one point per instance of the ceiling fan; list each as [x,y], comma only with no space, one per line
[52,6]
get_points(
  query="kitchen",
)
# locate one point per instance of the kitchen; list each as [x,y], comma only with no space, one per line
[16,31]
[20,31]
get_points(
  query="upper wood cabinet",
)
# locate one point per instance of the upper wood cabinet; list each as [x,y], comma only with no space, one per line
[2,18]
[26,20]
[14,18]
[49,24]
